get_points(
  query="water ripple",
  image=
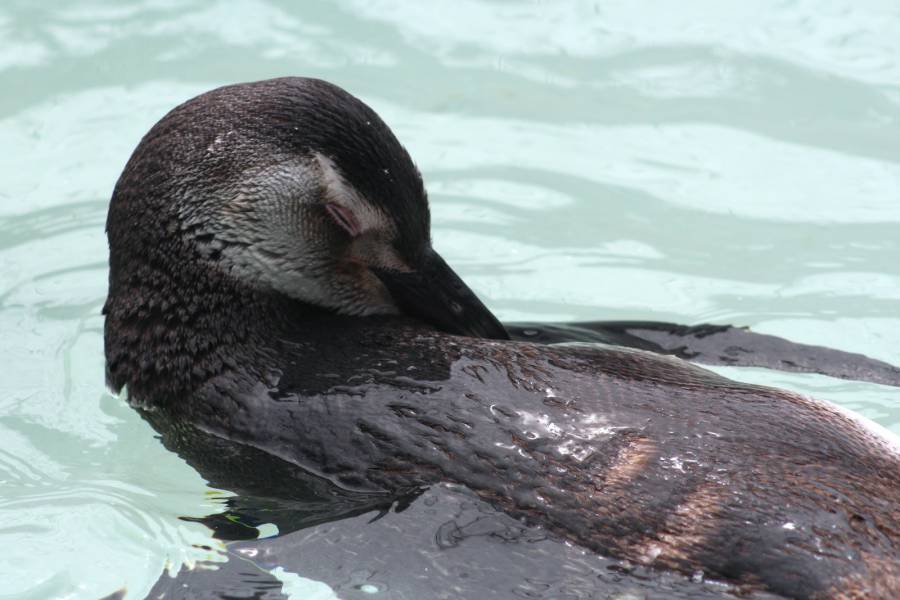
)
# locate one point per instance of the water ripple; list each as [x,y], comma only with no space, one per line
[584,160]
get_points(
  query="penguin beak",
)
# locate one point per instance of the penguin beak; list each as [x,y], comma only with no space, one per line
[435,294]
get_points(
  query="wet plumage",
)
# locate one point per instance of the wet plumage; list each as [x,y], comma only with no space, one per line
[272,282]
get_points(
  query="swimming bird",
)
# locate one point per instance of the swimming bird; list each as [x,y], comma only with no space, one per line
[273,283]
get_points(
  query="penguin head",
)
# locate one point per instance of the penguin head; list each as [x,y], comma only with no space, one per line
[291,186]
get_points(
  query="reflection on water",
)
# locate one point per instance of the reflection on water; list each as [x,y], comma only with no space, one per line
[722,162]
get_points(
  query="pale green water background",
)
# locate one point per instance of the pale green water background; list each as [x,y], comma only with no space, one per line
[729,162]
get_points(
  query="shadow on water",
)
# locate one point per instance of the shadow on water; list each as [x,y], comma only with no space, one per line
[440,542]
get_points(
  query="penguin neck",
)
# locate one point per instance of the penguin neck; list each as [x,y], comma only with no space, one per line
[170,330]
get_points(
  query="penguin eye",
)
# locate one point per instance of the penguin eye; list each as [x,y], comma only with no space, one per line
[344,218]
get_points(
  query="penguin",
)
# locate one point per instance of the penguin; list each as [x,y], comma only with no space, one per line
[273,283]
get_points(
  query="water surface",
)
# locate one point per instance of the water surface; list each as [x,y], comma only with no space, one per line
[712,162]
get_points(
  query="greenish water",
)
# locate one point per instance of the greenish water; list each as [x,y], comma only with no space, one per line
[724,162]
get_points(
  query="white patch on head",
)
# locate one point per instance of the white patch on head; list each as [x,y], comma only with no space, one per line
[219,143]
[341,192]
[265,227]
